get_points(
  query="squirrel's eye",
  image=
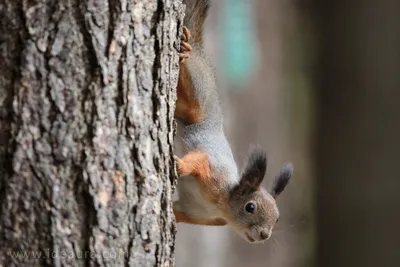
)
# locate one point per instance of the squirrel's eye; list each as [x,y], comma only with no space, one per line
[250,207]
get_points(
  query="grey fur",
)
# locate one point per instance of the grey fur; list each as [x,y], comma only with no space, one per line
[195,15]
[208,135]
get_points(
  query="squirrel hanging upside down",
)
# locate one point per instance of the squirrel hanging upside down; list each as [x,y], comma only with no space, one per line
[211,190]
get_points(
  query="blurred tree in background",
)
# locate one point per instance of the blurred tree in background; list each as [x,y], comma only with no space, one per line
[357,85]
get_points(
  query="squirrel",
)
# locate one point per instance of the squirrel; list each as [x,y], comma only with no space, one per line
[211,190]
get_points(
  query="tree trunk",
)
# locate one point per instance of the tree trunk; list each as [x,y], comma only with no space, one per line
[87,94]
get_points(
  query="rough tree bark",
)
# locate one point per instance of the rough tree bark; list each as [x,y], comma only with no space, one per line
[87,91]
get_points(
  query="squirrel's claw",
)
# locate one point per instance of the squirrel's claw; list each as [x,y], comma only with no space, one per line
[183,56]
[179,164]
[186,34]
[185,47]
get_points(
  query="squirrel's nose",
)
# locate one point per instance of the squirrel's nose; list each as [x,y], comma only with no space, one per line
[265,235]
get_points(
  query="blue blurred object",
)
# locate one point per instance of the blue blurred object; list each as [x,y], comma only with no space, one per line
[238,42]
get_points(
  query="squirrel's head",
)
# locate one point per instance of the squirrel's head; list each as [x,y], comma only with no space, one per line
[254,209]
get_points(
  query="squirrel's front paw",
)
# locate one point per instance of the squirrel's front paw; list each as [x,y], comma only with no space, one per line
[185,47]
[180,165]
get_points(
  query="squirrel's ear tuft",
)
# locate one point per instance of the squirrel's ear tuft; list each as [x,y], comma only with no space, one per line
[282,180]
[254,170]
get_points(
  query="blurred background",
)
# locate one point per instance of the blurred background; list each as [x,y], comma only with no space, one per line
[316,83]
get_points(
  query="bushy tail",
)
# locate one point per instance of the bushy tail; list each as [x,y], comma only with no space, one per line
[195,15]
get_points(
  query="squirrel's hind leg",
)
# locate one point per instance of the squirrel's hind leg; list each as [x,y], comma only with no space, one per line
[187,105]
